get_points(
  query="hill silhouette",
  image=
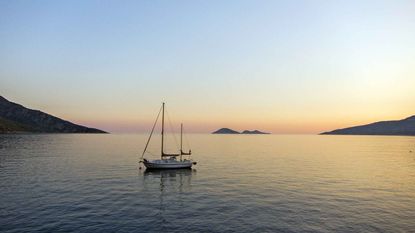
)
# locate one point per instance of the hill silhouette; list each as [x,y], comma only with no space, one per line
[398,127]
[16,118]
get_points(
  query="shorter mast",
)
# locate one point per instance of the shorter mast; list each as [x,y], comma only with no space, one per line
[181,141]
[181,144]
[162,133]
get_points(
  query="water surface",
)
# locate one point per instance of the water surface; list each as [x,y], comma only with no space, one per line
[242,183]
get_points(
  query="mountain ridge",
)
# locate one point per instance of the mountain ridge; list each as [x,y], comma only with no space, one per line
[404,127]
[15,118]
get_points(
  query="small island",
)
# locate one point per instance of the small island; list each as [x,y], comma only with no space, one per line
[231,131]
[253,132]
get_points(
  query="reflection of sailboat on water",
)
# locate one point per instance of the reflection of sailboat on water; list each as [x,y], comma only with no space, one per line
[167,161]
[174,185]
[170,178]
[169,172]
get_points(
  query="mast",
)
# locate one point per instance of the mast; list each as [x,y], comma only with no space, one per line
[181,141]
[162,132]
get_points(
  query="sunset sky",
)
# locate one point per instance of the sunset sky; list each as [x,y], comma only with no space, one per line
[278,66]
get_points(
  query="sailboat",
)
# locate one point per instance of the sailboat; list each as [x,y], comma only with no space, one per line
[167,161]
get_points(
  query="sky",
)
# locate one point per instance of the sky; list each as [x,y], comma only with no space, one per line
[279,66]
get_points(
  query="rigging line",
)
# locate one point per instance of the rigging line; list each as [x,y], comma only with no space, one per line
[186,139]
[152,130]
[171,128]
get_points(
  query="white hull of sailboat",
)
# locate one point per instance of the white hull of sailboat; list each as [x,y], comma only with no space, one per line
[167,164]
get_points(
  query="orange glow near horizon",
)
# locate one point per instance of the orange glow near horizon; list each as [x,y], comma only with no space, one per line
[282,126]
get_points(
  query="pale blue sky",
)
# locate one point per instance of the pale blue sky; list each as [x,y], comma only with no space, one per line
[281,66]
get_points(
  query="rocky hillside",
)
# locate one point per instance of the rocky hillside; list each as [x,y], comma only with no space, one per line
[400,127]
[16,118]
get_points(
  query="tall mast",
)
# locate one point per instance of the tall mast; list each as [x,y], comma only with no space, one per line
[181,141]
[162,133]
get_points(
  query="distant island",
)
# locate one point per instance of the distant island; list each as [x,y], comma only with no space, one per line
[404,127]
[15,118]
[231,131]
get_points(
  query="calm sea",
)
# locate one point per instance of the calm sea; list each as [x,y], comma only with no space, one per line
[242,183]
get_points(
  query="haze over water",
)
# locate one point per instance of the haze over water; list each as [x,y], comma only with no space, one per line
[242,183]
